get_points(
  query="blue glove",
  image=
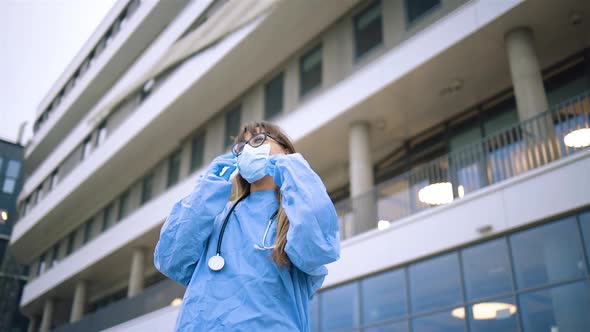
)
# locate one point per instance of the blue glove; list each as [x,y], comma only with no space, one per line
[222,166]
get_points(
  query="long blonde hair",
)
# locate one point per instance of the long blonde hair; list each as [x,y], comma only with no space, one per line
[241,187]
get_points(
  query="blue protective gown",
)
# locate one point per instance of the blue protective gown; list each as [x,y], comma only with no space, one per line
[250,293]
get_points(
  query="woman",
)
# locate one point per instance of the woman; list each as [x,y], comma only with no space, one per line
[281,230]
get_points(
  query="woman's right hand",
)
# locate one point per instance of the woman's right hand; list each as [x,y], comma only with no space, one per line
[222,166]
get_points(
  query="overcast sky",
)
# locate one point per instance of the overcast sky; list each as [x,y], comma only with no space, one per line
[38,39]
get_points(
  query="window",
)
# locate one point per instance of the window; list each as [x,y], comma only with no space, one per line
[562,308]
[41,266]
[123,202]
[86,148]
[173,168]
[54,254]
[88,230]
[549,253]
[443,321]
[384,296]
[487,269]
[146,89]
[430,293]
[585,223]
[12,172]
[106,217]
[503,319]
[70,244]
[310,70]
[339,308]
[416,9]
[368,29]
[102,133]
[198,151]
[146,188]
[273,96]
[54,179]
[232,124]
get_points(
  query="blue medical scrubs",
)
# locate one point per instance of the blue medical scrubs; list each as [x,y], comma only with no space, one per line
[250,293]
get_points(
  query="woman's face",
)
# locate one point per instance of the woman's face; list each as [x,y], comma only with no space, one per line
[274,146]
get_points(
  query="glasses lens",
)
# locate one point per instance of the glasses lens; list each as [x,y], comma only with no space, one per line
[257,140]
[237,148]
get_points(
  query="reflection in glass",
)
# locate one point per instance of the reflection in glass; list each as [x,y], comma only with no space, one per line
[439,322]
[487,269]
[339,307]
[492,316]
[384,296]
[585,223]
[435,283]
[391,327]
[564,308]
[547,253]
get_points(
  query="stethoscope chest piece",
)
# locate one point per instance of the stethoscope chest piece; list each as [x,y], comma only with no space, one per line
[216,262]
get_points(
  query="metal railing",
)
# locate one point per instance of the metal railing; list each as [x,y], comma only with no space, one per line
[152,298]
[499,156]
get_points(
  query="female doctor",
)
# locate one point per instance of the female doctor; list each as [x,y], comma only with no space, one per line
[252,257]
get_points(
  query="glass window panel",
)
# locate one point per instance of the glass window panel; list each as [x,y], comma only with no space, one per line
[585,223]
[273,96]
[13,168]
[9,185]
[173,168]
[428,292]
[439,322]
[563,308]
[391,327]
[547,253]
[106,217]
[88,230]
[123,201]
[493,316]
[415,9]
[198,150]
[384,296]
[232,125]
[1,161]
[368,29]
[339,307]
[314,314]
[310,70]
[504,117]
[487,269]
[146,188]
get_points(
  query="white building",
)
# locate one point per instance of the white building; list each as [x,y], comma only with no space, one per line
[450,134]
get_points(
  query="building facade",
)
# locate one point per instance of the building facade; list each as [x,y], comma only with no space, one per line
[452,136]
[13,276]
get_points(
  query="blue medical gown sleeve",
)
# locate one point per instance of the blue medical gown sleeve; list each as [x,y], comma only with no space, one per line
[313,238]
[188,226]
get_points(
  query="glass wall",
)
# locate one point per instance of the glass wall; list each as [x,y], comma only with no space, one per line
[534,279]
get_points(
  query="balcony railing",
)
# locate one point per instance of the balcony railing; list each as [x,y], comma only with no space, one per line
[549,136]
[152,298]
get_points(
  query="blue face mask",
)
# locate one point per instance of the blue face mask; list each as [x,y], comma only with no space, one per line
[252,162]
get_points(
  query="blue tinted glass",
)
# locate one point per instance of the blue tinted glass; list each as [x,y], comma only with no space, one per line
[562,308]
[391,327]
[585,223]
[313,313]
[339,307]
[547,253]
[487,269]
[492,316]
[435,283]
[439,322]
[13,168]
[384,296]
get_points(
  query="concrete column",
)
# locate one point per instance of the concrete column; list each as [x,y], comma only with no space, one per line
[136,274]
[33,322]
[525,70]
[530,95]
[361,178]
[79,302]
[47,315]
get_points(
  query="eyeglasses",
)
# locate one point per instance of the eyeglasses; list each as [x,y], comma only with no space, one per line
[254,141]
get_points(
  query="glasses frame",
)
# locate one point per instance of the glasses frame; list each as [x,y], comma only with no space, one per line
[242,144]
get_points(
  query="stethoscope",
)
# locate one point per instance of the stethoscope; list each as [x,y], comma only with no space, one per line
[217,262]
